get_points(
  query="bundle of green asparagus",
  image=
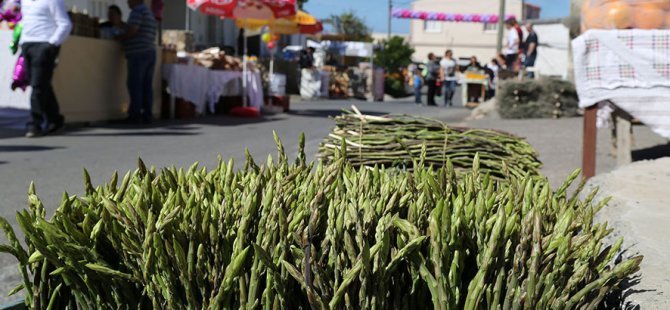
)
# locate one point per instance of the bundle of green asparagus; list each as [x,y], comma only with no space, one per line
[287,236]
[399,140]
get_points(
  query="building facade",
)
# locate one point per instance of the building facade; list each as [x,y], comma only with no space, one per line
[465,39]
[207,30]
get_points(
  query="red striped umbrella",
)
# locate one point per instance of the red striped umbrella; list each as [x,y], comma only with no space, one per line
[253,9]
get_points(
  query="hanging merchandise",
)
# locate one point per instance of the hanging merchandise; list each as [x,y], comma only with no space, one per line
[20,76]
[272,45]
[16,38]
[266,37]
[11,13]
[448,17]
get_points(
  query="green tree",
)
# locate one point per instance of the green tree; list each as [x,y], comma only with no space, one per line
[395,54]
[301,3]
[353,27]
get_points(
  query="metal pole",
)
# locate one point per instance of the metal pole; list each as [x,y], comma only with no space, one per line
[388,35]
[244,72]
[501,26]
[187,22]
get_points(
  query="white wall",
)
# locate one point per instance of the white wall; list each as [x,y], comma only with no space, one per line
[552,55]
[97,8]
[465,39]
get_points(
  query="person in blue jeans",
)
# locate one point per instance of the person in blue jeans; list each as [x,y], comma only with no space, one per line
[417,81]
[139,43]
[449,67]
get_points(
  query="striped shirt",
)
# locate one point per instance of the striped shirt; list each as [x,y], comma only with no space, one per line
[145,39]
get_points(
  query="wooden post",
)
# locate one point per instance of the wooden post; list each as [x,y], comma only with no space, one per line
[589,142]
[623,140]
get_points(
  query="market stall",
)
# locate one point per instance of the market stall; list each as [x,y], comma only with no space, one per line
[244,12]
[624,72]
[475,85]
[90,80]
[353,76]
[202,78]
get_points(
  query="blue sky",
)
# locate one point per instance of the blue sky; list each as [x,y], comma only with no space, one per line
[375,11]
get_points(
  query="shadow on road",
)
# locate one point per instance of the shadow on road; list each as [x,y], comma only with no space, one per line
[26,148]
[135,134]
[7,133]
[652,153]
[329,113]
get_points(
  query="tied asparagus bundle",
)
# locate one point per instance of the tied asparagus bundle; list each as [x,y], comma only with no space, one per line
[541,98]
[287,236]
[399,140]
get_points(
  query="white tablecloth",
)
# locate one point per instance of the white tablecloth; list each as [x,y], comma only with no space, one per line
[631,68]
[201,86]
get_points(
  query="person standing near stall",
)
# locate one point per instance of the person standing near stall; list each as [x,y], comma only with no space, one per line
[432,74]
[46,25]
[449,68]
[531,49]
[512,47]
[139,43]
[114,26]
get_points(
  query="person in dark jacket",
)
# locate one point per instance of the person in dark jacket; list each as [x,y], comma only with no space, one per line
[531,48]
[432,75]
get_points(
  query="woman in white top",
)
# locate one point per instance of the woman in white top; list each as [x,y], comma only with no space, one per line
[449,66]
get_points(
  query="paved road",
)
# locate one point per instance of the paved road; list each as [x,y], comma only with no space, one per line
[55,163]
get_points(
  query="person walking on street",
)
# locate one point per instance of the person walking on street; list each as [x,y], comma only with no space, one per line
[512,47]
[46,25]
[432,74]
[449,69]
[139,43]
[531,49]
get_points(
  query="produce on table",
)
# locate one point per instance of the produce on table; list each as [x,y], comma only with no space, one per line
[290,236]
[625,14]
[399,140]
[216,59]
[340,82]
[541,98]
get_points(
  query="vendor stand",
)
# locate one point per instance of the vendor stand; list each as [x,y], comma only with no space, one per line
[351,76]
[474,85]
[622,72]
[202,78]
[626,69]
[89,81]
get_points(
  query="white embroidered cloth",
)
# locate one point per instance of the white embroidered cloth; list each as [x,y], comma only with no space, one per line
[200,85]
[631,68]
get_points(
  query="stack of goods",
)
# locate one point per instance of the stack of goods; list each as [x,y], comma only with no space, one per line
[216,59]
[339,84]
[179,40]
[84,25]
[169,55]
[402,141]
[625,14]
[543,98]
[283,235]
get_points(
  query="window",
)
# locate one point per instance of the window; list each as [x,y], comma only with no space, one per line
[432,26]
[491,27]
